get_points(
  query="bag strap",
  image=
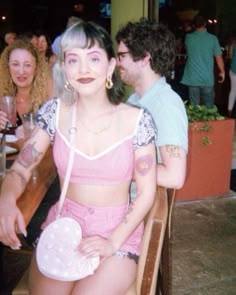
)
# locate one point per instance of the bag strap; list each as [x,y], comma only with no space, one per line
[72,132]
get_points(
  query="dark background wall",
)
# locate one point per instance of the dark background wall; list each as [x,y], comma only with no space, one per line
[50,16]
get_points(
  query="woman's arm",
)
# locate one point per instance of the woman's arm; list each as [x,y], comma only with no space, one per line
[14,183]
[145,176]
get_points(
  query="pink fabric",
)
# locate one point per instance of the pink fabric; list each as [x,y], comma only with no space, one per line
[99,221]
[113,166]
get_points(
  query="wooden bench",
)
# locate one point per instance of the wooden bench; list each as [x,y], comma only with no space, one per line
[151,255]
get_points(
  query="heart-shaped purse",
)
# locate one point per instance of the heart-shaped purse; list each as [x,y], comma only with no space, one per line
[57,252]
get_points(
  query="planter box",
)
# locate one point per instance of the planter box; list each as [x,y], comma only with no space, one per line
[208,166]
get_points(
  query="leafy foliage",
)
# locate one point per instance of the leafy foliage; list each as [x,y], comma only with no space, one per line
[197,113]
[201,113]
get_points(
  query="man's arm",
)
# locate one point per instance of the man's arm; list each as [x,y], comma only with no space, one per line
[221,67]
[171,172]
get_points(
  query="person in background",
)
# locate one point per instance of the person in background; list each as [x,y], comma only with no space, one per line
[146,55]
[29,36]
[56,42]
[9,38]
[232,75]
[202,50]
[45,49]
[25,75]
[113,142]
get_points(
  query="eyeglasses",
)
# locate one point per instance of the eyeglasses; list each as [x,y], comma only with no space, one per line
[121,54]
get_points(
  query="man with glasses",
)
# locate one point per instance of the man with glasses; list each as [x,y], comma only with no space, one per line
[145,57]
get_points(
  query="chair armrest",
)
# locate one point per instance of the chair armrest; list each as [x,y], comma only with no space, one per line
[154,233]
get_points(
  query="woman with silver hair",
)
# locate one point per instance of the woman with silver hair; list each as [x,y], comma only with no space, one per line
[112,144]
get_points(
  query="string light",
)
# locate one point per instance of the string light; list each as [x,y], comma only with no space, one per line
[212,21]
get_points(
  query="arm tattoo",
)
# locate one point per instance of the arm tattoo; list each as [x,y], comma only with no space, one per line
[173,151]
[28,155]
[143,164]
[130,209]
[17,173]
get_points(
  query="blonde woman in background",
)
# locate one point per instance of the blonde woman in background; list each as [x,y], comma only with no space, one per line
[24,74]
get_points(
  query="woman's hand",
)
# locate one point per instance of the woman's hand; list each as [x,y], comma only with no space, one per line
[96,246]
[11,223]
[3,120]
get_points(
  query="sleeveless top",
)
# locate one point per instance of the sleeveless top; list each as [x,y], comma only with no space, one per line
[114,165]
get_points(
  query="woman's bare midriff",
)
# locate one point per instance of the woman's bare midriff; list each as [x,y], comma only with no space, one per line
[99,195]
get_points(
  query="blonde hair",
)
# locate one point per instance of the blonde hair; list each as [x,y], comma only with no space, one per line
[38,93]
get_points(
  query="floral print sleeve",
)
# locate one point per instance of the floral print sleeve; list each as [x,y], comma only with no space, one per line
[146,131]
[46,117]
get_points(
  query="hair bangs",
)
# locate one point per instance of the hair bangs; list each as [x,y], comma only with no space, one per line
[75,38]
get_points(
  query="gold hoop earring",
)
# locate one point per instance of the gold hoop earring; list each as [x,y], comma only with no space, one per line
[109,83]
[68,87]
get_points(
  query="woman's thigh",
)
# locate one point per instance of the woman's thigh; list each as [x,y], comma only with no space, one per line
[39,284]
[114,276]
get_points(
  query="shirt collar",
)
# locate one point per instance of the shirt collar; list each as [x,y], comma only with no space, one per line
[152,90]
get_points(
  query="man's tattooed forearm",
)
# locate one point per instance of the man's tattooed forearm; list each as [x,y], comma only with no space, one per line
[28,155]
[173,150]
[143,164]
[20,176]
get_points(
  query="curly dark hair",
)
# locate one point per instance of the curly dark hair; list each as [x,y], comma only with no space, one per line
[144,37]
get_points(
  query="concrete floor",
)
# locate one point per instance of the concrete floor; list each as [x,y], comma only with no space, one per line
[203,247]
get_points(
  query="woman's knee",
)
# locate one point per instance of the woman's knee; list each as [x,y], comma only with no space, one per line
[119,274]
[39,284]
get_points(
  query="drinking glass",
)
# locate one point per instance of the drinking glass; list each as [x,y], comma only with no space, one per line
[8,105]
[28,122]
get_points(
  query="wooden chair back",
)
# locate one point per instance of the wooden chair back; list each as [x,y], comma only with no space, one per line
[150,258]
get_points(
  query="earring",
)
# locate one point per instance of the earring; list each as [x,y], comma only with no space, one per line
[68,87]
[109,83]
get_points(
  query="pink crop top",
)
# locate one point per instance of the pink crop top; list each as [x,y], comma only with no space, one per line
[112,166]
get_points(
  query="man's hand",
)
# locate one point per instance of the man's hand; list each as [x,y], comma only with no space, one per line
[222,77]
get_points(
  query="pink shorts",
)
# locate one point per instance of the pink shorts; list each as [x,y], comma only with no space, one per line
[100,221]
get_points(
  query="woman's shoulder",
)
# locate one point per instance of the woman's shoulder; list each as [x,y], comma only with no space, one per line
[51,101]
[130,110]
[134,112]
[49,105]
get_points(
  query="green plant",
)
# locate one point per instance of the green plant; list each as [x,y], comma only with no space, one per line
[196,113]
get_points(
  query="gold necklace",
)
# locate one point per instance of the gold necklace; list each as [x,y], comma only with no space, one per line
[101,130]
